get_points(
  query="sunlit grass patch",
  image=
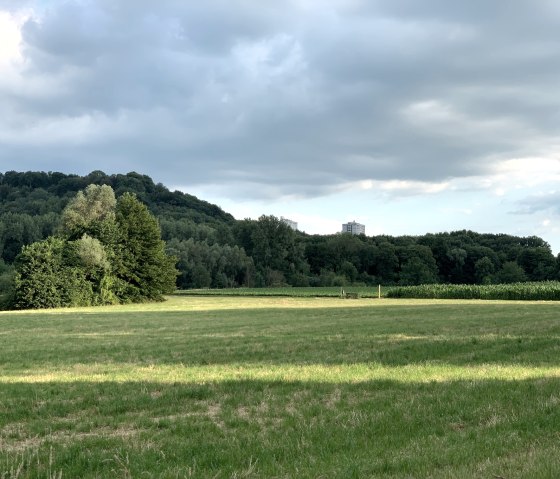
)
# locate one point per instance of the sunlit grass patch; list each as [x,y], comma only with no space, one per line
[319,373]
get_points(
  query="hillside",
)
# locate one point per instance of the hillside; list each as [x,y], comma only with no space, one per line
[214,250]
[31,203]
[37,193]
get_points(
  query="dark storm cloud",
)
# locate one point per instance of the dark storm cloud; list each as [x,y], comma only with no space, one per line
[300,97]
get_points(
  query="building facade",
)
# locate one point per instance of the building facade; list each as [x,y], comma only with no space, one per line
[354,228]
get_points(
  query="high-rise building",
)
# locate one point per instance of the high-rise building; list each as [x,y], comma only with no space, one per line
[354,228]
[290,223]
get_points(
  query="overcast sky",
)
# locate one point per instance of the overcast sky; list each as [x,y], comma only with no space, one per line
[408,116]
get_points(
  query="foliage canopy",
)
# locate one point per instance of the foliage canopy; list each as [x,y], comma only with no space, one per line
[108,251]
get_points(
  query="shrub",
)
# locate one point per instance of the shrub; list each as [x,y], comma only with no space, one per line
[45,277]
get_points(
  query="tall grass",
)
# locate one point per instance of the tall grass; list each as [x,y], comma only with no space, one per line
[536,291]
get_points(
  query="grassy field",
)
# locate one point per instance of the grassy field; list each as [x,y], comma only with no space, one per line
[304,292]
[219,387]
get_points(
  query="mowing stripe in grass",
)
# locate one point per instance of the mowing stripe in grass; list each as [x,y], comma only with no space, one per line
[320,373]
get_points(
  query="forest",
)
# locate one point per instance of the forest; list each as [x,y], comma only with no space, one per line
[213,250]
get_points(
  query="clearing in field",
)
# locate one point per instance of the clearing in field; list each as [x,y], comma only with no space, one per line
[282,387]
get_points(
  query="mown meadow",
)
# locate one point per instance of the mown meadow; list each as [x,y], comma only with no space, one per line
[223,387]
[289,291]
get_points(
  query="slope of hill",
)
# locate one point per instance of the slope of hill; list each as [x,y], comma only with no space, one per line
[37,193]
[31,204]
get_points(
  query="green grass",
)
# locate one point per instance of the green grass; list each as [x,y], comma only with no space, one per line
[293,292]
[282,387]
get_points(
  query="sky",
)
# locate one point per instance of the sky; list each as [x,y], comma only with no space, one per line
[409,117]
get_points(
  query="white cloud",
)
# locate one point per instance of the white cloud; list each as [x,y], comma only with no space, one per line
[414,187]
[10,38]
[527,172]
[11,56]
[62,130]
[395,188]
[515,176]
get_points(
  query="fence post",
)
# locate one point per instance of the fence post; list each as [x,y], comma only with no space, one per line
[379,292]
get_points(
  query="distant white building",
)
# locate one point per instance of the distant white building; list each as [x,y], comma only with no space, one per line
[354,228]
[290,223]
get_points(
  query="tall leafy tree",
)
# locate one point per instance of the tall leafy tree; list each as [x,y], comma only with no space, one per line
[386,262]
[92,212]
[538,263]
[511,272]
[142,261]
[275,249]
[418,265]
[6,284]
[17,230]
[483,270]
[415,271]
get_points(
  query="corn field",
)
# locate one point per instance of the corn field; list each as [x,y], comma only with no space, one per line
[545,290]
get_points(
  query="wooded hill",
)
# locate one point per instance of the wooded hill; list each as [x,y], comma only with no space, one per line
[215,250]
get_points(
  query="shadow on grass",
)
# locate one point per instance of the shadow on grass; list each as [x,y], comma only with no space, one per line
[280,429]
[461,335]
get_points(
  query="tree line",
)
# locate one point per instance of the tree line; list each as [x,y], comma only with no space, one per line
[213,250]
